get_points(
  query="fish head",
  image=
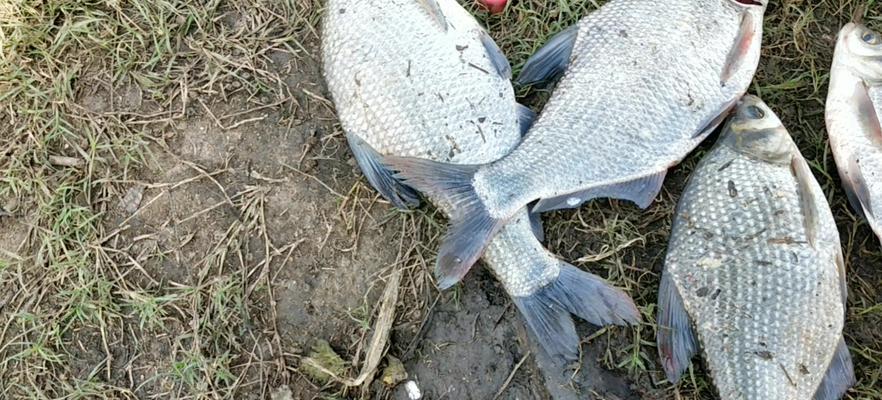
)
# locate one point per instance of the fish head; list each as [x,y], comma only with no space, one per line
[859,49]
[756,131]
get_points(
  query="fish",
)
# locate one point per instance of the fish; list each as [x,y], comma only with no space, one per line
[754,273]
[853,113]
[421,78]
[644,82]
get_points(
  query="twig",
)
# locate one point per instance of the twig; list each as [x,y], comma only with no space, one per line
[511,376]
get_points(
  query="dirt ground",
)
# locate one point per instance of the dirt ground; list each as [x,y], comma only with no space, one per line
[197,237]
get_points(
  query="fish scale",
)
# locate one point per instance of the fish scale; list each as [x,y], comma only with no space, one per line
[428,83]
[754,260]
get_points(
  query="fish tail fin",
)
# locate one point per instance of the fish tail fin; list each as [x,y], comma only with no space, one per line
[839,376]
[381,178]
[547,311]
[471,225]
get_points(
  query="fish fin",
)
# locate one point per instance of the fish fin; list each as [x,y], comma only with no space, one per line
[839,376]
[434,10]
[471,226]
[675,337]
[856,189]
[800,169]
[526,117]
[868,114]
[535,225]
[392,189]
[840,270]
[497,58]
[547,311]
[551,60]
[735,59]
[641,191]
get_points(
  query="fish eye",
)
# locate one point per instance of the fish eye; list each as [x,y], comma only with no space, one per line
[871,38]
[754,112]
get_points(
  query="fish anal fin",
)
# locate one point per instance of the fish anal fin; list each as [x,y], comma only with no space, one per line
[740,48]
[551,60]
[434,10]
[382,179]
[675,337]
[804,178]
[640,191]
[839,376]
[497,58]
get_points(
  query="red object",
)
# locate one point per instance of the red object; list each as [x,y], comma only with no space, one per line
[494,6]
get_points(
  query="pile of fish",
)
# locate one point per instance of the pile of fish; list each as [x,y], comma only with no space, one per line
[754,274]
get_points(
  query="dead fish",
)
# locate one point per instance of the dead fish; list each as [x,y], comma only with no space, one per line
[756,277]
[854,111]
[423,79]
[645,82]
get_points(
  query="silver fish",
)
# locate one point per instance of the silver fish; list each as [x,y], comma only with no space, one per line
[423,79]
[645,82]
[754,262]
[854,111]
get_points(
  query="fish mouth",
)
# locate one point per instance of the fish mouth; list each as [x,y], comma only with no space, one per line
[750,2]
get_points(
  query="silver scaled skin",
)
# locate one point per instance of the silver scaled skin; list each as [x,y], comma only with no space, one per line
[854,110]
[755,258]
[419,78]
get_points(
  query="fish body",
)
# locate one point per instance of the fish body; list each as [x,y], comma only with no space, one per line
[854,109]
[644,83]
[754,262]
[422,79]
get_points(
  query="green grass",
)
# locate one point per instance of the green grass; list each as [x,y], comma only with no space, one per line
[73,299]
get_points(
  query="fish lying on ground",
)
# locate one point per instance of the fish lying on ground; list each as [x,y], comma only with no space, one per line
[755,264]
[645,82]
[423,79]
[854,112]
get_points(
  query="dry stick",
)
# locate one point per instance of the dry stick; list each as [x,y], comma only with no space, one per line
[511,376]
[382,328]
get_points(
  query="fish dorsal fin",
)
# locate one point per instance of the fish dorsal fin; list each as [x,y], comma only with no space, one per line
[551,60]
[868,111]
[499,61]
[738,52]
[434,10]
[803,174]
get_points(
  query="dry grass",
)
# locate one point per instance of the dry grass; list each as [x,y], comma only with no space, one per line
[76,289]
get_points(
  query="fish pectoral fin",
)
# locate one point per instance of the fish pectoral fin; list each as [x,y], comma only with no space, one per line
[675,337]
[857,191]
[434,10]
[547,311]
[382,179]
[551,60]
[804,178]
[640,191]
[747,34]
[497,58]
[526,117]
[868,112]
[839,376]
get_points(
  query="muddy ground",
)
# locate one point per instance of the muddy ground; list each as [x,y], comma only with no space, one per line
[247,235]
